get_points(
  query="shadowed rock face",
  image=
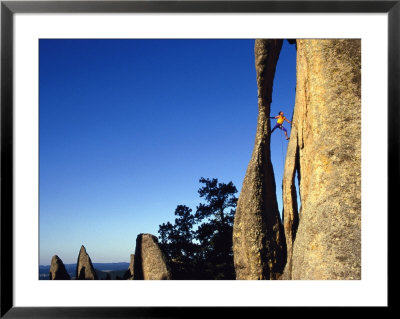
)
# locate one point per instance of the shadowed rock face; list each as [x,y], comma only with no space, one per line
[57,269]
[129,273]
[150,262]
[258,236]
[325,149]
[84,267]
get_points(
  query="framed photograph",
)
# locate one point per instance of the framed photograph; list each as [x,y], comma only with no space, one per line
[165,157]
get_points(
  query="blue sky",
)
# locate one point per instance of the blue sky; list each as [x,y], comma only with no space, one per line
[127,128]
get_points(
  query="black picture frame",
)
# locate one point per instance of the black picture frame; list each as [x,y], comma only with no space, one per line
[9,8]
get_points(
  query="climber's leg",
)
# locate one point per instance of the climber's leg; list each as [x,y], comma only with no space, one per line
[275,127]
[284,130]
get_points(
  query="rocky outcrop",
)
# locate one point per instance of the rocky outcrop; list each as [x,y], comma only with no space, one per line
[289,193]
[150,263]
[258,236]
[325,150]
[57,269]
[84,267]
[129,273]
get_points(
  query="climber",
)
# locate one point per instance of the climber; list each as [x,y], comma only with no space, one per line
[279,123]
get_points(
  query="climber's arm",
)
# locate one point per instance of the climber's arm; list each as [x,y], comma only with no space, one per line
[288,121]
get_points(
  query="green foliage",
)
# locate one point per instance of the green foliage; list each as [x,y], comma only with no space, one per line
[200,245]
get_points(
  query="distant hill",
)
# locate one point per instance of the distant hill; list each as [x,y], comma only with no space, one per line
[114,274]
[114,269]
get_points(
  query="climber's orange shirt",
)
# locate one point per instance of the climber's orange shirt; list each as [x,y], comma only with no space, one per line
[281,119]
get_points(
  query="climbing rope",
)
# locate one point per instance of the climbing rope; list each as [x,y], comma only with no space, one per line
[283,158]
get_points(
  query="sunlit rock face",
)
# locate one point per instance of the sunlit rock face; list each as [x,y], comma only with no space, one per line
[150,263]
[289,194]
[325,150]
[258,237]
[57,269]
[84,267]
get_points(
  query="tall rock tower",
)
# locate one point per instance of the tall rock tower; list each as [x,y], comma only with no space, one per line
[84,267]
[258,238]
[57,269]
[150,262]
[325,150]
